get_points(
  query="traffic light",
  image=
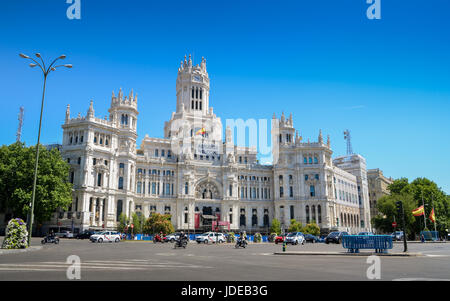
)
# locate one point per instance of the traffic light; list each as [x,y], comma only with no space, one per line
[399,205]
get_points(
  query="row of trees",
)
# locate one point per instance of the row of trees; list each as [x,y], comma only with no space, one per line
[156,223]
[295,226]
[413,195]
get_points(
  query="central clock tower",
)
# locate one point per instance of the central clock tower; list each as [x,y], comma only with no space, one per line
[193,88]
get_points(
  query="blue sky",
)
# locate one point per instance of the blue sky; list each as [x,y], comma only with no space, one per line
[387,80]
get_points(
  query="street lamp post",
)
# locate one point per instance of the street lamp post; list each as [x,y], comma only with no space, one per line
[45,72]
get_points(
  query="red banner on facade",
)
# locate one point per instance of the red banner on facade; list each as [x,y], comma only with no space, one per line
[197,221]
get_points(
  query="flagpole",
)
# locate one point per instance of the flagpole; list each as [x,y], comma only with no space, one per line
[434,211]
[424,212]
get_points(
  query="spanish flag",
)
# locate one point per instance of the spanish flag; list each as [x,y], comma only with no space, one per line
[432,216]
[418,212]
[201,131]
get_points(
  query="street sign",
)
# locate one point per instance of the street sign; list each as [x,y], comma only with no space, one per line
[394,224]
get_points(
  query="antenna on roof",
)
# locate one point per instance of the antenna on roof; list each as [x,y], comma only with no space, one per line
[348,137]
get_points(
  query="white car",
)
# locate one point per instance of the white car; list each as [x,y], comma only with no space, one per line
[295,238]
[64,234]
[172,237]
[106,236]
[211,237]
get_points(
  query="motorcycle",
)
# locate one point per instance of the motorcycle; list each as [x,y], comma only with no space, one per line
[241,243]
[180,243]
[157,238]
[50,240]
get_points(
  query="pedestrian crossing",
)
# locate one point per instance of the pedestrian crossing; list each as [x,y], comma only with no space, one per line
[100,265]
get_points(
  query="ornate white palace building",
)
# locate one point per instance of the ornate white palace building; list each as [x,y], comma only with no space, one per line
[197,177]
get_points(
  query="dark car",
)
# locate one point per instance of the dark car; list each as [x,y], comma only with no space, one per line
[311,238]
[85,234]
[335,237]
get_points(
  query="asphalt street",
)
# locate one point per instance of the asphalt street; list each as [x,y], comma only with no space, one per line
[136,260]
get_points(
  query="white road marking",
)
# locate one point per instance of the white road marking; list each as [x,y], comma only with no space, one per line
[99,265]
[419,279]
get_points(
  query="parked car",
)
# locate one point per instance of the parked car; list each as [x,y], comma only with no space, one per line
[85,234]
[366,233]
[335,237]
[295,238]
[279,238]
[106,236]
[211,237]
[311,238]
[171,237]
[64,234]
[397,235]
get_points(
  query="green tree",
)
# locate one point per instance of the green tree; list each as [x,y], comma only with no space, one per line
[276,226]
[123,222]
[53,190]
[138,221]
[312,228]
[295,226]
[158,223]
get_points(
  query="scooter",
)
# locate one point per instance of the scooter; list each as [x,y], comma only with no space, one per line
[50,240]
[241,243]
[180,243]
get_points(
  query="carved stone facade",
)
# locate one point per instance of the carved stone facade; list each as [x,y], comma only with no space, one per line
[196,175]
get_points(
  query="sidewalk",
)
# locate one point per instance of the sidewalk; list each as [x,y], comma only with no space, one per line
[13,251]
[407,254]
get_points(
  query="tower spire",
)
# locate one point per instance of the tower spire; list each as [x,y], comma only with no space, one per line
[68,113]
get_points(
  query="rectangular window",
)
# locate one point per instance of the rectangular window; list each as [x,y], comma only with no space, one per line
[99,179]
[120,182]
[139,187]
[291,191]
[292,212]
[312,190]
[153,188]
[156,153]
[167,189]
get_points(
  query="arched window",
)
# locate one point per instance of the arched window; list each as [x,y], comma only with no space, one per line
[316,160]
[186,188]
[119,209]
[196,93]
[200,105]
[307,213]
[310,160]
[201,93]
[192,92]
[313,212]
[242,217]
[319,213]
[254,218]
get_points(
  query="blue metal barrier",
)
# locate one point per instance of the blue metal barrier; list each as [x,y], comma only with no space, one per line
[381,243]
[430,235]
